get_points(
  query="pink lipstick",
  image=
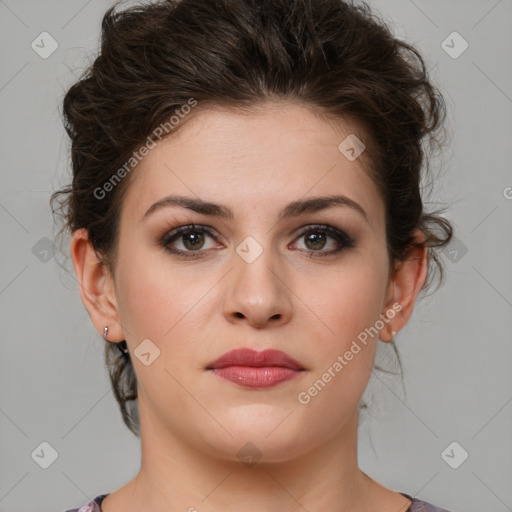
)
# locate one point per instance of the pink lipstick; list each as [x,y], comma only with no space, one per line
[252,369]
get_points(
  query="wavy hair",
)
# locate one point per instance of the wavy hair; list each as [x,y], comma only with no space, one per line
[332,55]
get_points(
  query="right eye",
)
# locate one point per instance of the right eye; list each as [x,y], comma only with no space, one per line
[191,238]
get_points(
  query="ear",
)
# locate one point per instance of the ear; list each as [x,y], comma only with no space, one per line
[96,286]
[404,288]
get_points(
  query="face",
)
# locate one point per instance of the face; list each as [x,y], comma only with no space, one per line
[307,284]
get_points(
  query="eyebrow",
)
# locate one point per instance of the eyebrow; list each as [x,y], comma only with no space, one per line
[294,209]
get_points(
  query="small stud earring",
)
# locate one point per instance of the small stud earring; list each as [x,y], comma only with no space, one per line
[124,351]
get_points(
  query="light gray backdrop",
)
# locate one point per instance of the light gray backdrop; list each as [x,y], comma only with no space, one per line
[456,350]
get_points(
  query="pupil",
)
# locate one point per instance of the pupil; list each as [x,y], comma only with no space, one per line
[192,235]
[312,238]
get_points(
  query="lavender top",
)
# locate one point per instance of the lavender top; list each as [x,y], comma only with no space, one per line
[416,505]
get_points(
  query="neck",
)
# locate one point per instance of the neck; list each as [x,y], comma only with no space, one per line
[176,476]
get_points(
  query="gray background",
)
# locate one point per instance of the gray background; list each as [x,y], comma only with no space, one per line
[456,349]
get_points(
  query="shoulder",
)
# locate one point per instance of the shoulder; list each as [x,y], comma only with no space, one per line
[91,506]
[418,505]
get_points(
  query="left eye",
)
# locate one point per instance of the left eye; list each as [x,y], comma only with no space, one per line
[316,237]
[192,240]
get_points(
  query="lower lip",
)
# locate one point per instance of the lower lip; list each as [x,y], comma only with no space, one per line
[252,377]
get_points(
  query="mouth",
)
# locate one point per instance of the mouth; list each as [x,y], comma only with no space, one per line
[252,369]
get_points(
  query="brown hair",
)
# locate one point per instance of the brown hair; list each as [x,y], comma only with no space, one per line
[332,55]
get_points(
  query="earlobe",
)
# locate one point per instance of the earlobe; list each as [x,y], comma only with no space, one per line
[95,286]
[406,284]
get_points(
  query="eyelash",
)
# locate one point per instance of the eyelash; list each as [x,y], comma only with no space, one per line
[339,236]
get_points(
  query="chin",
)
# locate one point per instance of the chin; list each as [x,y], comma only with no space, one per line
[271,437]
[250,451]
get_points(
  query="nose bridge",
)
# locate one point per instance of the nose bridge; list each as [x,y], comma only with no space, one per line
[256,290]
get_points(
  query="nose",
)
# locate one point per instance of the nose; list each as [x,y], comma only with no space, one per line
[257,293]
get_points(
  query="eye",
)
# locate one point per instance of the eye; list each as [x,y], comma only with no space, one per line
[190,237]
[316,239]
[191,240]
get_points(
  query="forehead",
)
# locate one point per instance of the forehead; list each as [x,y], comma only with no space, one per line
[253,161]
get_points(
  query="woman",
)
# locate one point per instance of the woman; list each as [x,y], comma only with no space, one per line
[247,224]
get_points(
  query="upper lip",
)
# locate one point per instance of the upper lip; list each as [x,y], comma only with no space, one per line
[248,357]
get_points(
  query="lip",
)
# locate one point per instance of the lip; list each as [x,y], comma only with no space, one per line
[248,357]
[252,369]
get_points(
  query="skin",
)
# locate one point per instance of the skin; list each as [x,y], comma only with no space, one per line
[194,423]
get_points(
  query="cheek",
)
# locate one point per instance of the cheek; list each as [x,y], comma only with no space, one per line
[351,301]
[349,307]
[167,305]
[151,299]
